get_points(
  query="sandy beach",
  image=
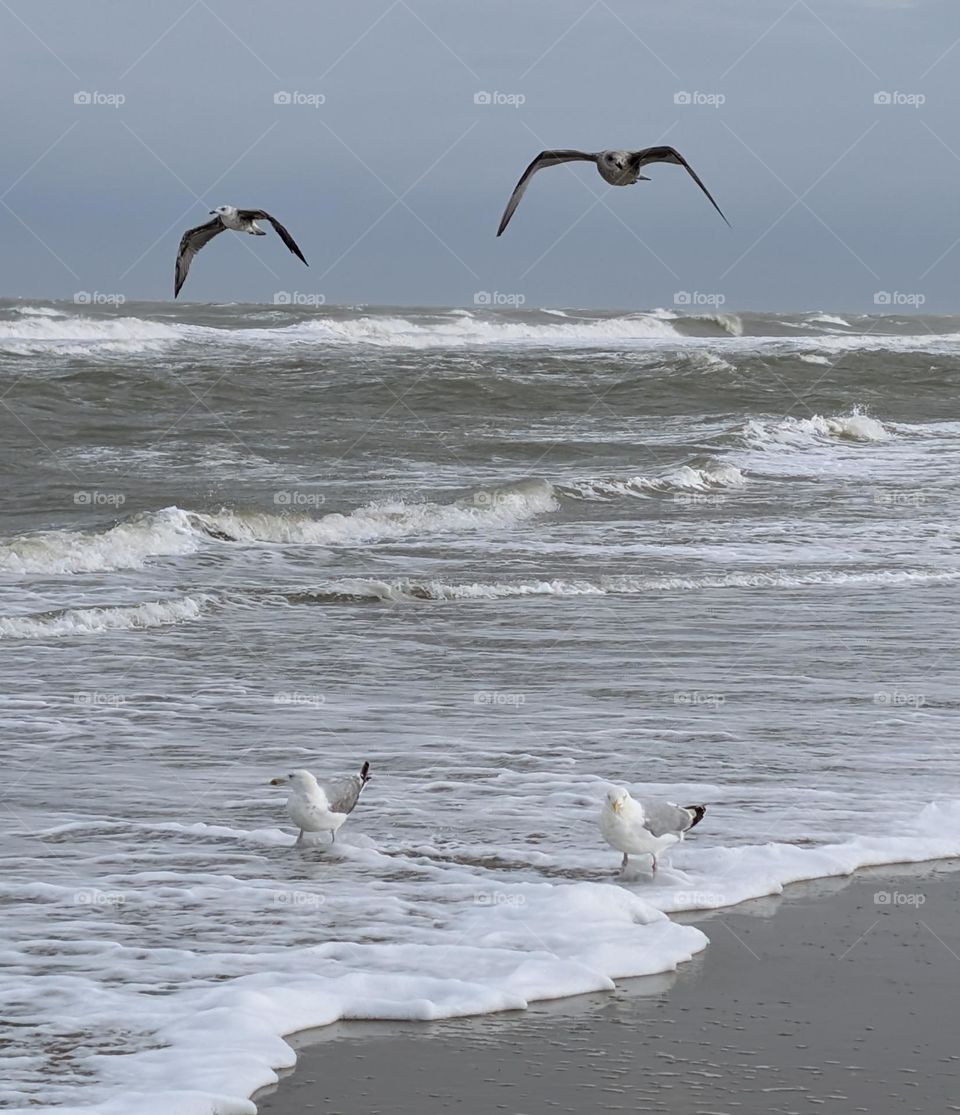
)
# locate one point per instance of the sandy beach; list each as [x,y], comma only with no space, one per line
[839,996]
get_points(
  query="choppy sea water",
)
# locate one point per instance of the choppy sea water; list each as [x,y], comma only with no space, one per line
[505,557]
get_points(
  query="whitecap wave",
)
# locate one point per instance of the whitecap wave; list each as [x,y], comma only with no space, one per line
[713,476]
[59,334]
[799,431]
[95,621]
[175,532]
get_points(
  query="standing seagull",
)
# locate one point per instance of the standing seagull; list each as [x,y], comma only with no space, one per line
[619,168]
[646,828]
[316,808]
[227,216]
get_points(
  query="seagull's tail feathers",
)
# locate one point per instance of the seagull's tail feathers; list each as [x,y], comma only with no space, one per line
[364,775]
[698,812]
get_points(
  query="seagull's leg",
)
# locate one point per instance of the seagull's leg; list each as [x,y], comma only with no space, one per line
[333,836]
[624,862]
[654,858]
[299,839]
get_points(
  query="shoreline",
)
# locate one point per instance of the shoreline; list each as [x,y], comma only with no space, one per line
[839,990]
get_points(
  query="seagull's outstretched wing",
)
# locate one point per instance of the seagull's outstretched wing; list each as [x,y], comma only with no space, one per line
[545,158]
[661,817]
[343,795]
[671,155]
[262,215]
[190,243]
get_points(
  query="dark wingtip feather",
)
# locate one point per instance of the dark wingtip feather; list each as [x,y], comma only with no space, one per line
[698,812]
[365,773]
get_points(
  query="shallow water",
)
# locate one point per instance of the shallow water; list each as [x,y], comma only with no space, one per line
[503,556]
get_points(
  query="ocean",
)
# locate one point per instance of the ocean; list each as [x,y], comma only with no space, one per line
[505,556]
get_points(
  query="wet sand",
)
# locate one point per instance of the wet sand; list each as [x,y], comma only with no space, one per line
[840,996]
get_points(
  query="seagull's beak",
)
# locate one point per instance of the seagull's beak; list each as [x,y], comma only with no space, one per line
[277,781]
[616,805]
[212,211]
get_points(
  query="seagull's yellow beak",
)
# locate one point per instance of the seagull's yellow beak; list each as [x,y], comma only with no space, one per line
[616,805]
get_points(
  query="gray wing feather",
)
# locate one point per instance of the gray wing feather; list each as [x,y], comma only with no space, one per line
[344,794]
[671,155]
[661,817]
[263,215]
[190,243]
[545,158]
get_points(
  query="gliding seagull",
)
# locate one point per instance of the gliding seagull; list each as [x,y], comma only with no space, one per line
[227,216]
[619,168]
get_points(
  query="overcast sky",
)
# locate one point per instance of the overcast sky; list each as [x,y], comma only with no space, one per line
[392,178]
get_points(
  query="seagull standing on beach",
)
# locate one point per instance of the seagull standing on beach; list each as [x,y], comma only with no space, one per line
[619,168]
[316,808]
[226,217]
[644,828]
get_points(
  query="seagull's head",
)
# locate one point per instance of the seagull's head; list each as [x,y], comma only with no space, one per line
[617,798]
[222,211]
[614,159]
[297,779]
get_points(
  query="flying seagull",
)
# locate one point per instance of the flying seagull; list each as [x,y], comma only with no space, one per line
[226,216]
[619,168]
[316,808]
[644,828]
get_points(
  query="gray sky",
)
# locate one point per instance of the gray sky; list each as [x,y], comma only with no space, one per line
[394,185]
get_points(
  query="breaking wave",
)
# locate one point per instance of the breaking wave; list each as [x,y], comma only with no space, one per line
[712,476]
[94,621]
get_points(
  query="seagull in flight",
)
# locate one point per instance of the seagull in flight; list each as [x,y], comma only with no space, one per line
[619,168]
[316,808]
[226,217]
[644,828]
